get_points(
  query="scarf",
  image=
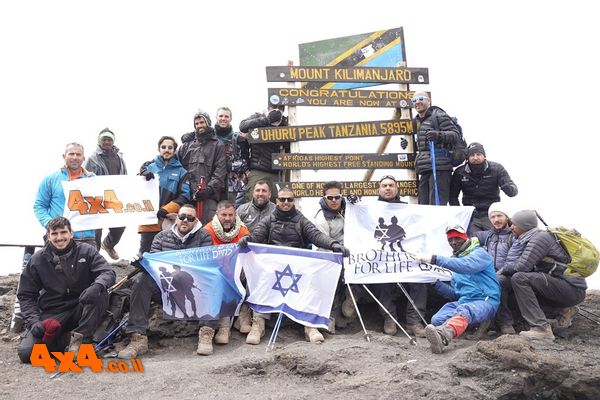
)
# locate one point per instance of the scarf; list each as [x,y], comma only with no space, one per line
[226,236]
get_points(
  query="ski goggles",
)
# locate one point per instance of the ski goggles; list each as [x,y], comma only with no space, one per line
[183,217]
[418,98]
[387,177]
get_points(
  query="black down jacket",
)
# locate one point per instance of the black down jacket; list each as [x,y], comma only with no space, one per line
[448,135]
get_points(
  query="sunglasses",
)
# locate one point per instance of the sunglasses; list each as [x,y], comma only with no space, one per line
[456,228]
[418,98]
[387,177]
[335,197]
[190,218]
[286,199]
[165,147]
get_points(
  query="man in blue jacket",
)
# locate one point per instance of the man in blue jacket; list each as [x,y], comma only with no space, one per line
[50,198]
[474,289]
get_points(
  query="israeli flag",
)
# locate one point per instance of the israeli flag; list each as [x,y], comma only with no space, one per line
[297,282]
[196,283]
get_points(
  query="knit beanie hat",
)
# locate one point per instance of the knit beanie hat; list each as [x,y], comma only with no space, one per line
[525,219]
[475,148]
[203,114]
[106,133]
[498,207]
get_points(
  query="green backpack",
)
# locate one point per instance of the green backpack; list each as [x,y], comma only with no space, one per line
[583,254]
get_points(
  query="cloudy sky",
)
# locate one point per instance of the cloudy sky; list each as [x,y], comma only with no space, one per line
[520,76]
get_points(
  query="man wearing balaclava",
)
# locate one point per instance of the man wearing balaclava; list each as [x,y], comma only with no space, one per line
[534,273]
[480,181]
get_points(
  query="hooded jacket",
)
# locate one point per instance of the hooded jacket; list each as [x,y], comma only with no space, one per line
[448,136]
[260,153]
[97,164]
[170,240]
[331,222]
[251,214]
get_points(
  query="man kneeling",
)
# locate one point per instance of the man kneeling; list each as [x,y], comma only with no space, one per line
[63,292]
[474,289]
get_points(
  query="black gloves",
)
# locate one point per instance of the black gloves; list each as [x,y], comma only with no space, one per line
[432,136]
[243,242]
[89,295]
[203,194]
[135,262]
[338,248]
[147,174]
[274,116]
[403,143]
[162,213]
[38,329]
[352,198]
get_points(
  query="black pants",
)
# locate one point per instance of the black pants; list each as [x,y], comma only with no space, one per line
[417,291]
[113,237]
[534,290]
[84,319]
[426,193]
[146,239]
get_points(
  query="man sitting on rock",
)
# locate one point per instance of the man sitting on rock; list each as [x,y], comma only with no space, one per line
[187,233]
[474,289]
[62,290]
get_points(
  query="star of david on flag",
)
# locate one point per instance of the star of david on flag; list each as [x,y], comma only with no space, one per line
[299,283]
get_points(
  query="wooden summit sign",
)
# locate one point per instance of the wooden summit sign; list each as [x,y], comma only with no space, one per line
[332,131]
[343,161]
[348,74]
[359,188]
[340,97]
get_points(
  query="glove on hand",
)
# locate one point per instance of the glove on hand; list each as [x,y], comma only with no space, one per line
[90,294]
[51,327]
[432,136]
[422,258]
[243,242]
[162,213]
[403,143]
[37,329]
[203,194]
[135,262]
[352,198]
[148,175]
[338,248]
[274,116]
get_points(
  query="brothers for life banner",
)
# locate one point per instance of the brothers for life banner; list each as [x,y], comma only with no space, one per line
[111,201]
[384,239]
[297,282]
[196,284]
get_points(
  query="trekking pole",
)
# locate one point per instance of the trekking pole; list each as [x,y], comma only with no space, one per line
[411,301]
[413,340]
[433,170]
[274,334]
[590,315]
[123,280]
[366,336]
[200,203]
[540,218]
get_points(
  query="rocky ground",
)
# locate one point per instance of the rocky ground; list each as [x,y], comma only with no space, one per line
[345,367]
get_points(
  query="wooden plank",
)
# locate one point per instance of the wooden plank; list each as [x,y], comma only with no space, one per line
[359,188]
[379,75]
[340,97]
[343,130]
[343,161]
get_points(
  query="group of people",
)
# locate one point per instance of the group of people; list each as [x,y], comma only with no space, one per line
[218,173]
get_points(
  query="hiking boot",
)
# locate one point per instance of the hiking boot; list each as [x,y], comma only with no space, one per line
[138,345]
[112,253]
[538,333]
[243,322]
[257,331]
[222,336]
[507,330]
[438,337]
[348,309]
[389,326]
[565,318]
[205,338]
[313,335]
[331,325]
[416,329]
[75,342]
[481,331]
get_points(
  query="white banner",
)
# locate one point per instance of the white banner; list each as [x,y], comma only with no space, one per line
[111,201]
[384,239]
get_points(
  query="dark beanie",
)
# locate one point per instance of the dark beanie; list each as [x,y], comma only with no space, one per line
[525,219]
[475,148]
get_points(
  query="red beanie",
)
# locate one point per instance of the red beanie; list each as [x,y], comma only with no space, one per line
[453,233]
[51,327]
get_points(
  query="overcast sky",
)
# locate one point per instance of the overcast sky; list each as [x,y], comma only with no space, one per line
[520,76]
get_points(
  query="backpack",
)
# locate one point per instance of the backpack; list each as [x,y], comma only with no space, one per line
[583,255]
[457,151]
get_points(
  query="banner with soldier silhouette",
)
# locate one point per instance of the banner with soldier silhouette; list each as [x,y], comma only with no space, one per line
[196,284]
[384,239]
